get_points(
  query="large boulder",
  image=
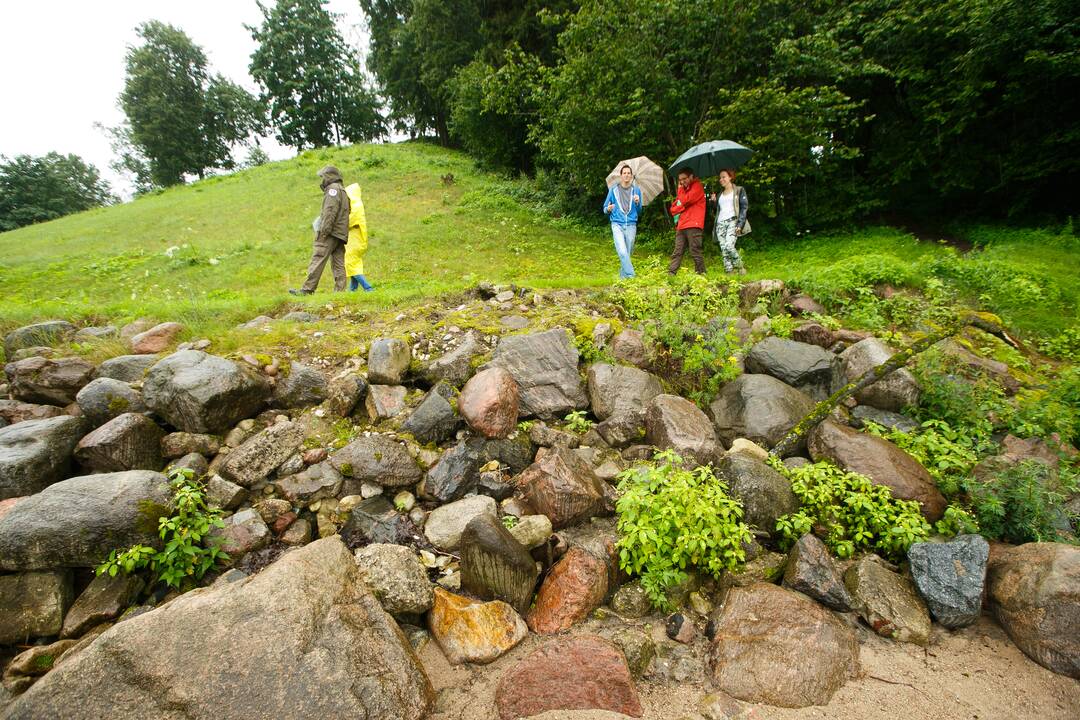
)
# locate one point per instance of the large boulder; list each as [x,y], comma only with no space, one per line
[675,423]
[53,382]
[126,368]
[378,459]
[127,442]
[33,604]
[203,393]
[455,367]
[574,588]
[303,638]
[764,493]
[395,575]
[388,361]
[49,332]
[300,387]
[894,392]
[545,367]
[471,631]
[562,486]
[36,453]
[1034,591]
[260,454]
[583,672]
[805,367]
[777,647]
[888,602]
[615,389]
[879,460]
[78,522]
[103,399]
[495,565]
[759,408]
[489,402]
[950,577]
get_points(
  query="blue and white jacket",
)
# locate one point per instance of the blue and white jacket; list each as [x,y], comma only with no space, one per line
[619,215]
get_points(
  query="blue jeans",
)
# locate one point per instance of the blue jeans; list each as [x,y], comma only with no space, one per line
[624,245]
[359,281]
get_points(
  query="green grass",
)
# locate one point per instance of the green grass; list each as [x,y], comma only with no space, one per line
[242,240]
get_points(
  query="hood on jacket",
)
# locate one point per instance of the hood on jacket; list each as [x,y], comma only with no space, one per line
[329,175]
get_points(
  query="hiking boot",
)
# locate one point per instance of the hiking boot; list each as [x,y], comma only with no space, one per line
[294,291]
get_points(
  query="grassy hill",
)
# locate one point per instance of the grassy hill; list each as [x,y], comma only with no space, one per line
[218,252]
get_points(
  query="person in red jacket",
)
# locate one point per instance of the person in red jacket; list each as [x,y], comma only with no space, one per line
[689,205]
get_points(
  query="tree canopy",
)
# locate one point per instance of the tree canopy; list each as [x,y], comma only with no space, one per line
[36,189]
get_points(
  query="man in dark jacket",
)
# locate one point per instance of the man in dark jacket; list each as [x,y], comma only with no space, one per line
[331,234]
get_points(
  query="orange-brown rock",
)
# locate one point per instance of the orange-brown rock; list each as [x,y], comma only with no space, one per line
[489,402]
[156,339]
[564,487]
[574,588]
[584,672]
[472,631]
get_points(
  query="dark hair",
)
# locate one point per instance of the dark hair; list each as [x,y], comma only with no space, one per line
[626,167]
[730,172]
[685,171]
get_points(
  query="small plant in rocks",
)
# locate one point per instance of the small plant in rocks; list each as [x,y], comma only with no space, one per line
[849,512]
[673,521]
[577,422]
[183,559]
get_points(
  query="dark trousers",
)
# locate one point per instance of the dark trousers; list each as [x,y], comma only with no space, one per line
[689,237]
[331,249]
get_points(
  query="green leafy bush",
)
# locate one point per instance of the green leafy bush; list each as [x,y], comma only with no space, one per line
[183,560]
[1021,503]
[849,512]
[673,520]
[947,454]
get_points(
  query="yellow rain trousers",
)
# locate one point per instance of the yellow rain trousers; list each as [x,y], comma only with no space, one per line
[358,240]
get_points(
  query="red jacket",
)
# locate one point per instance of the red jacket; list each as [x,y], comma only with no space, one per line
[690,206]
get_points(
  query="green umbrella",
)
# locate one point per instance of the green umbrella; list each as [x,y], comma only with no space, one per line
[709,158]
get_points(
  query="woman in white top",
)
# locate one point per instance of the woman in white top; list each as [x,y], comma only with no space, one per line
[731,206]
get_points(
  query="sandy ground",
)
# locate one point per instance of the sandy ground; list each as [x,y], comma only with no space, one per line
[975,673]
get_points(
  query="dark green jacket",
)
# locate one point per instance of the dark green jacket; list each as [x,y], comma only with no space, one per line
[334,218]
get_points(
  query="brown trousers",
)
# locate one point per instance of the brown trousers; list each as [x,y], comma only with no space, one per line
[331,249]
[683,238]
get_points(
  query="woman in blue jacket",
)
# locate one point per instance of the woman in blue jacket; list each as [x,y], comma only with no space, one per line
[622,205]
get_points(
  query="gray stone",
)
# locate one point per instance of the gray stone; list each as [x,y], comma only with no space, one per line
[103,600]
[224,494]
[950,577]
[292,465]
[617,389]
[243,532]
[764,493]
[384,402]
[888,602]
[631,601]
[494,565]
[78,522]
[127,442]
[675,423]
[300,387]
[629,347]
[373,520]
[302,638]
[178,444]
[455,367]
[14,411]
[894,392]
[626,428]
[194,462]
[104,398]
[861,414]
[261,454]
[395,575]
[201,393]
[32,604]
[532,530]
[544,436]
[388,361]
[812,571]
[36,453]
[759,408]
[809,368]
[456,473]
[545,367]
[43,380]
[343,393]
[445,524]
[126,368]
[378,459]
[50,332]
[433,421]
[636,645]
[104,332]
[314,483]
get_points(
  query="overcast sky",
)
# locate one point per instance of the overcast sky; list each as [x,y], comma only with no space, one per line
[62,65]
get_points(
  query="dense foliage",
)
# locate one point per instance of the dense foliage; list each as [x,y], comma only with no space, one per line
[36,189]
[181,119]
[911,107]
[311,81]
[673,521]
[188,551]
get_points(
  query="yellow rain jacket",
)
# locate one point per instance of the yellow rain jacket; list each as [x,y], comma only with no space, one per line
[358,242]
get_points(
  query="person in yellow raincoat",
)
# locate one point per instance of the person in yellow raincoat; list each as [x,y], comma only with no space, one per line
[358,241]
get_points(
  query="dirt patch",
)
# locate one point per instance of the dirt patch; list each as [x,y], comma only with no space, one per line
[972,674]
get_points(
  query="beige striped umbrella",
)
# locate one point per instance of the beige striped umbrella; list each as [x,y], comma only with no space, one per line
[648,176]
